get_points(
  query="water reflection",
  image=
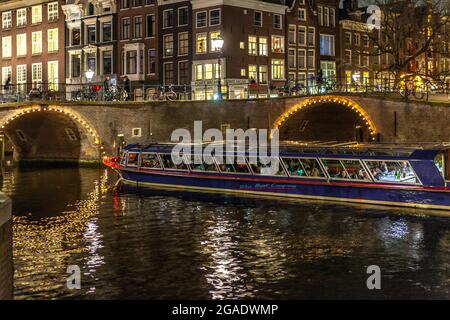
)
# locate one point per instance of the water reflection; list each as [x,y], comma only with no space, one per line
[52,227]
[165,245]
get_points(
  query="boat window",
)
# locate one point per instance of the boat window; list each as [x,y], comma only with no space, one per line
[355,170]
[132,159]
[392,171]
[150,160]
[439,162]
[168,163]
[273,167]
[294,167]
[334,168]
[199,163]
[303,167]
[312,168]
[238,166]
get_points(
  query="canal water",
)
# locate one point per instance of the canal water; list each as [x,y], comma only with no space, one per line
[174,245]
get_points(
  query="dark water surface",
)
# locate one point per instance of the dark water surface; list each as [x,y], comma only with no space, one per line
[169,245]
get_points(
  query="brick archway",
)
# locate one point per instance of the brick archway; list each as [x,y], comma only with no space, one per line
[360,114]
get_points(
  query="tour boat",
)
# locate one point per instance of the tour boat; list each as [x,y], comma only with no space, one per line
[408,175]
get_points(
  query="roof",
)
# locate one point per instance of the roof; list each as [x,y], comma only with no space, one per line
[420,151]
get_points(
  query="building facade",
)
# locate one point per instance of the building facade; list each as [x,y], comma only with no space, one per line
[91,40]
[138,44]
[253,54]
[175,42]
[312,40]
[32,44]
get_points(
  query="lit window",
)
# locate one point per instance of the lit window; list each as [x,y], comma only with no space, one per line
[243,72]
[168,45]
[21,44]
[252,72]
[199,72]
[52,11]
[262,74]
[252,45]
[183,44]
[278,44]
[242,45]
[6,74]
[36,14]
[277,69]
[6,47]
[213,35]
[52,39]
[36,42]
[202,46]
[21,75]
[52,71]
[21,16]
[327,45]
[263,50]
[6,20]
[36,73]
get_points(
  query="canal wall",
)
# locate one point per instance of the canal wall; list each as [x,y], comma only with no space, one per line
[6,257]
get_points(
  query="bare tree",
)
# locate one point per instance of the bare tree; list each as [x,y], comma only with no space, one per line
[411,38]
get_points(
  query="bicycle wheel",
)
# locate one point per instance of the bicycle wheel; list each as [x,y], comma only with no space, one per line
[419,94]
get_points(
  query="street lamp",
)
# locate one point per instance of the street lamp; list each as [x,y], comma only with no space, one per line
[89,75]
[218,44]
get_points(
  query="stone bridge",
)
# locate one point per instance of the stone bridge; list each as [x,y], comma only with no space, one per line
[72,131]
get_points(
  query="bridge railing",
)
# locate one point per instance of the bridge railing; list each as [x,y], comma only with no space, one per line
[252,90]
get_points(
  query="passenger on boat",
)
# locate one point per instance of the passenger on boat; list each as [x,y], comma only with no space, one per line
[377,174]
[315,172]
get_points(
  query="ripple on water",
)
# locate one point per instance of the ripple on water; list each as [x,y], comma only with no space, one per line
[186,245]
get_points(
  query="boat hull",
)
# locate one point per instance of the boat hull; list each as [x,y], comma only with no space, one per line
[391,195]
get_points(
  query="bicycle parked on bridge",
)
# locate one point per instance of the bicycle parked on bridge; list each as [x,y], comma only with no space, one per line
[115,93]
[163,94]
[88,93]
[38,93]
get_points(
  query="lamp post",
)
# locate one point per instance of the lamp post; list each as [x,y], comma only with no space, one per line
[89,75]
[218,44]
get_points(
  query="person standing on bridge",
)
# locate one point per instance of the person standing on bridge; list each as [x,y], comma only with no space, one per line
[7,85]
[127,86]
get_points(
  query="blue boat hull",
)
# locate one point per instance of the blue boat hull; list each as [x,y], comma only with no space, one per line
[394,195]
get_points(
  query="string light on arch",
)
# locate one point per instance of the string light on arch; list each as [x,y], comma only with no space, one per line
[37,108]
[344,101]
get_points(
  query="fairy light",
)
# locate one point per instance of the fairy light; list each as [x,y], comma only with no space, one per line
[58,109]
[335,99]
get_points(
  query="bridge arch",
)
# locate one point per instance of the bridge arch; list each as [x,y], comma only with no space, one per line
[51,132]
[356,111]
